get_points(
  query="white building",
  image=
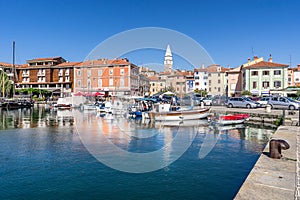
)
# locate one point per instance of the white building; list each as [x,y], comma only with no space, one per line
[201,76]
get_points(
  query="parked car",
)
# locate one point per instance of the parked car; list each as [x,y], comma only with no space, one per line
[187,101]
[219,100]
[242,102]
[207,101]
[264,101]
[283,103]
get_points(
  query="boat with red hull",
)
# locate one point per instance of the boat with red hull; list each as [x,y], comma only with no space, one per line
[230,119]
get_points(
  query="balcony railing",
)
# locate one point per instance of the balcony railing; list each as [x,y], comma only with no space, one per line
[41,73]
[25,74]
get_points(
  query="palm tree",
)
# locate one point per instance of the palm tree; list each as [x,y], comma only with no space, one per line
[5,84]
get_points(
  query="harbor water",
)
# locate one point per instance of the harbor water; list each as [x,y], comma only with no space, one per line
[44,155]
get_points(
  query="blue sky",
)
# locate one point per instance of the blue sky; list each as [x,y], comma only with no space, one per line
[228,30]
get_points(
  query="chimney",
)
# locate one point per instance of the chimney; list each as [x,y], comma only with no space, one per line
[298,66]
[255,57]
[202,66]
[249,60]
[270,59]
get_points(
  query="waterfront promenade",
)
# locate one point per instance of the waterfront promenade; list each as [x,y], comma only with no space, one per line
[275,178]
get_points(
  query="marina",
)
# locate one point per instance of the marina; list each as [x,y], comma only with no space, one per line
[50,157]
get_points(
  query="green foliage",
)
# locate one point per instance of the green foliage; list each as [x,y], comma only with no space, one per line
[203,93]
[5,84]
[246,93]
[34,91]
[279,121]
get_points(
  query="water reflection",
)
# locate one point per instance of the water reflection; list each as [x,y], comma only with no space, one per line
[34,118]
[132,135]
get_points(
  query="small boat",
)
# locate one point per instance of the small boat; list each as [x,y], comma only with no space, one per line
[89,107]
[164,112]
[184,123]
[230,119]
[63,106]
[105,107]
[16,103]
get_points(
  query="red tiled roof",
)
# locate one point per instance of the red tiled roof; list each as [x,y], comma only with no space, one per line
[104,62]
[214,69]
[5,64]
[235,70]
[68,64]
[265,64]
[164,73]
[153,78]
[200,70]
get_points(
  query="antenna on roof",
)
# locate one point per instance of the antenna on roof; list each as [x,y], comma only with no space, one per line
[290,60]
[252,50]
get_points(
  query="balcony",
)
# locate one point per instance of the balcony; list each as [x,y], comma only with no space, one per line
[25,74]
[41,74]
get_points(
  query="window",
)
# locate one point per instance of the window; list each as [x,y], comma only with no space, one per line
[122,71]
[89,72]
[99,82]
[161,84]
[79,83]
[111,71]
[277,72]
[297,79]
[266,73]
[219,89]
[219,81]
[99,72]
[78,73]
[254,85]
[254,73]
[209,75]
[232,86]
[111,82]
[277,84]
[153,84]
[218,74]
[266,84]
[122,82]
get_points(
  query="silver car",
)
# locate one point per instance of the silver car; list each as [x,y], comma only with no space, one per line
[241,102]
[283,103]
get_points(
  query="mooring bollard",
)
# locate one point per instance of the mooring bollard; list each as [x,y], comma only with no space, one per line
[275,147]
[268,108]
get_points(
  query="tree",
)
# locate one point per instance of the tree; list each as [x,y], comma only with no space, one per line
[203,93]
[5,84]
[246,93]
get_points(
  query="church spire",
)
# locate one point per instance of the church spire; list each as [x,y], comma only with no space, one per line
[168,63]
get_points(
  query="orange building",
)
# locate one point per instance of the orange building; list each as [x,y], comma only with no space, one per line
[117,77]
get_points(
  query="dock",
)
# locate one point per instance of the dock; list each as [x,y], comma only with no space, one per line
[260,116]
[275,178]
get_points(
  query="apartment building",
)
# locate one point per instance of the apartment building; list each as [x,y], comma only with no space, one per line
[260,77]
[52,74]
[117,77]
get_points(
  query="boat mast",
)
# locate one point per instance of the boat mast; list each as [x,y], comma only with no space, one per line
[14,69]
